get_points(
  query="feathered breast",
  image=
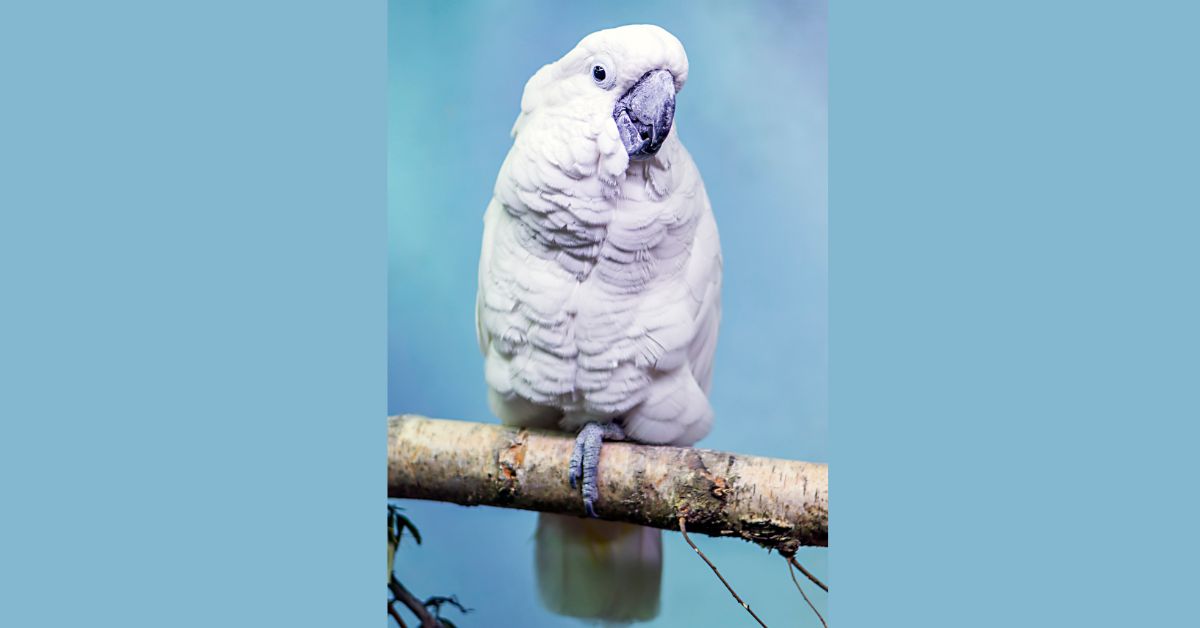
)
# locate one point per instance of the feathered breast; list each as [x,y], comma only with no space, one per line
[583,294]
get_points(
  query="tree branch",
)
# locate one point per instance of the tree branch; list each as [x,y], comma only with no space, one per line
[792,560]
[394,614]
[778,504]
[416,606]
[792,573]
[683,531]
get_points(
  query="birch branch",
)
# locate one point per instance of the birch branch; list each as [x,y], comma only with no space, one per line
[778,504]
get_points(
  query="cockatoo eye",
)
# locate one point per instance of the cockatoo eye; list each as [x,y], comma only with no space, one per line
[599,73]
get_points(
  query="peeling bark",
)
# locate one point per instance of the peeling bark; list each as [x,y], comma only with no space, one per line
[778,504]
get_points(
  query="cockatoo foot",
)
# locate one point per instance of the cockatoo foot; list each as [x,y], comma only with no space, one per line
[586,457]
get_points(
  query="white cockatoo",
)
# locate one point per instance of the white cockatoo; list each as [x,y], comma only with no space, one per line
[599,294]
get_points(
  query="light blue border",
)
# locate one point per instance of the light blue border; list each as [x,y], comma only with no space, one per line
[192,245]
[1013,223]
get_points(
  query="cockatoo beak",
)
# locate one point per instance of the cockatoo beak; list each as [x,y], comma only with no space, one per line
[645,113]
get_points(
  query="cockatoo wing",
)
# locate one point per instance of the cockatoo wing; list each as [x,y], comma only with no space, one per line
[485,258]
[498,310]
[704,281]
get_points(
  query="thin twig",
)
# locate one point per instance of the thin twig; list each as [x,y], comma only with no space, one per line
[683,530]
[437,601]
[403,595]
[792,560]
[395,615]
[805,595]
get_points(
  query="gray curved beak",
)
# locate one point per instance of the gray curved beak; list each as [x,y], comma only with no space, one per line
[644,114]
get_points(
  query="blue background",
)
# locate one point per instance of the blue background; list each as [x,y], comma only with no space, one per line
[753,116]
[192,280]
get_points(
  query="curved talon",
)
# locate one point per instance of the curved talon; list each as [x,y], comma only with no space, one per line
[576,459]
[586,457]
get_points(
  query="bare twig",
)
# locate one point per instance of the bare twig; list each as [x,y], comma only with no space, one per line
[395,615]
[803,594]
[792,561]
[437,601]
[683,530]
[416,606]
[778,504]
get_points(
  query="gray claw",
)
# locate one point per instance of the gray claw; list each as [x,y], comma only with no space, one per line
[576,459]
[586,457]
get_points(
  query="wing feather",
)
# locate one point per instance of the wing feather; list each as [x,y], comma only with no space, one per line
[490,216]
[704,281]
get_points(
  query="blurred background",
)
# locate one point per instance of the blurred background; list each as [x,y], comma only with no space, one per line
[753,115]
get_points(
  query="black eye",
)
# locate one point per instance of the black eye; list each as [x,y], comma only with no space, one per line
[598,73]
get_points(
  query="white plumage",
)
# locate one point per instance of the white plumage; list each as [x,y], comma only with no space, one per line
[599,279]
[600,276]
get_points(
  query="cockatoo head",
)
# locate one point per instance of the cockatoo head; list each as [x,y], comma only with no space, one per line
[623,78]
